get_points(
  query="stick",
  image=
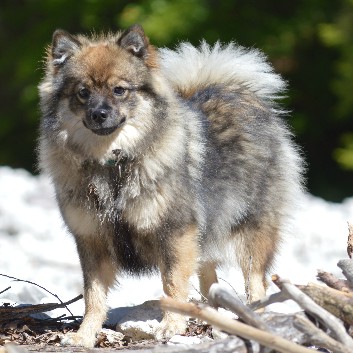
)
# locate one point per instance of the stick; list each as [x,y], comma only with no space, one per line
[35,284]
[278,297]
[222,297]
[334,301]
[350,240]
[332,281]
[329,320]
[318,337]
[7,313]
[4,290]
[346,266]
[210,315]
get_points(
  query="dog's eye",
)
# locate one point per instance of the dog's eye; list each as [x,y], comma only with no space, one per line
[119,91]
[83,93]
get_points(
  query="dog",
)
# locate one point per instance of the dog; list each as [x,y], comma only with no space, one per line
[172,161]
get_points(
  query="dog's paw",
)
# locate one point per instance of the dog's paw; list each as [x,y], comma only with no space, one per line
[77,339]
[171,325]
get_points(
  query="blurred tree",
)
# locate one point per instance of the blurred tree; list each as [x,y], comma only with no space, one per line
[309,42]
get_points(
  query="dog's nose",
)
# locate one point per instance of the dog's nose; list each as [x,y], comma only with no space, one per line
[99,115]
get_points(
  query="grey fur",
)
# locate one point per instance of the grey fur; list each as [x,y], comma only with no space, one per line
[200,170]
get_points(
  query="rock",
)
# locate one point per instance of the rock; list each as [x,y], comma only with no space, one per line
[112,337]
[138,322]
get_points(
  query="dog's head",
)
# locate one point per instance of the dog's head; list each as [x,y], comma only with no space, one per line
[99,92]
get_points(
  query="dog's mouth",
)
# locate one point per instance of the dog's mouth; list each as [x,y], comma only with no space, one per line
[104,131]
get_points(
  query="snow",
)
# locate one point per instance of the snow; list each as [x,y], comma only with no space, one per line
[35,246]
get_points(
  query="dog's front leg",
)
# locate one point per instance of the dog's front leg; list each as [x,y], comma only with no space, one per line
[99,274]
[176,269]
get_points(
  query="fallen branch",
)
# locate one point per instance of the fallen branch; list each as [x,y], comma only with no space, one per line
[326,318]
[332,281]
[278,297]
[317,336]
[35,284]
[226,324]
[11,313]
[221,297]
[334,301]
[346,266]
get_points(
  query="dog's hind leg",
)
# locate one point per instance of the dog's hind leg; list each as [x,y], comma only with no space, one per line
[176,270]
[255,252]
[99,275]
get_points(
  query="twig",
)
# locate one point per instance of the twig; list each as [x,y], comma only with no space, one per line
[7,313]
[350,240]
[278,297]
[4,290]
[317,336]
[222,297]
[203,298]
[210,315]
[35,284]
[346,266]
[326,318]
[333,282]
[229,284]
[247,282]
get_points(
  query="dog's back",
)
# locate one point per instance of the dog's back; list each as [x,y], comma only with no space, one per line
[252,173]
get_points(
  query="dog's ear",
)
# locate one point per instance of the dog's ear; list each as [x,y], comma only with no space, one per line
[137,43]
[63,46]
[134,41]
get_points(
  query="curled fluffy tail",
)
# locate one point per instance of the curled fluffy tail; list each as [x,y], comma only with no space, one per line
[189,68]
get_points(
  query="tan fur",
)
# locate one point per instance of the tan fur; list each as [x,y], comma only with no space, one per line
[162,160]
[207,276]
[175,279]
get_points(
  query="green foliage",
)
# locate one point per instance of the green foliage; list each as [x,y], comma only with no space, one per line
[309,42]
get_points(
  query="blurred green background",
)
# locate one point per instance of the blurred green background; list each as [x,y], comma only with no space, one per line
[310,42]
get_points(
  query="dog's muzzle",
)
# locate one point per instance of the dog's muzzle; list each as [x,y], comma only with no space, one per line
[100,122]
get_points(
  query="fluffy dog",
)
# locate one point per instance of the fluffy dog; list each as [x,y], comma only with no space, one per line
[177,161]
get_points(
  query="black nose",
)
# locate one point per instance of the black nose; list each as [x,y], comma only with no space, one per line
[99,115]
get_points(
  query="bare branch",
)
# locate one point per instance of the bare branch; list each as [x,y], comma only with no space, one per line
[278,297]
[35,284]
[332,281]
[334,301]
[4,290]
[350,240]
[346,266]
[318,337]
[222,297]
[10,312]
[226,324]
[326,318]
